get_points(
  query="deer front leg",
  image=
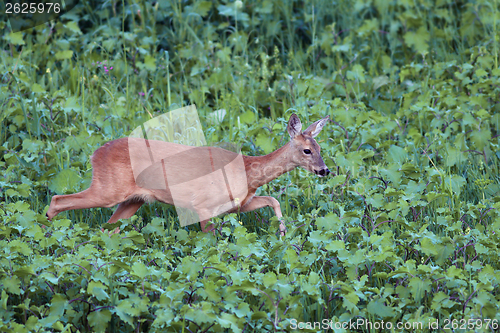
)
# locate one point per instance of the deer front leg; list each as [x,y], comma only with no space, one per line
[260,202]
[89,198]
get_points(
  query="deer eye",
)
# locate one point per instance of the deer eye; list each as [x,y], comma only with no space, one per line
[307,151]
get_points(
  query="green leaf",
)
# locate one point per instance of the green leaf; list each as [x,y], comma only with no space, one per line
[418,287]
[481,249]
[248,117]
[4,299]
[392,173]
[318,237]
[454,156]
[62,55]
[202,7]
[341,47]
[314,278]
[258,315]
[71,104]
[36,88]
[233,11]
[16,38]
[378,308]
[140,270]
[47,276]
[112,242]
[99,320]
[16,246]
[269,279]
[376,200]
[456,183]
[58,305]
[73,27]
[428,246]
[329,222]
[163,318]
[335,246]
[444,251]
[212,292]
[356,73]
[441,300]
[136,237]
[190,267]
[380,81]
[230,321]
[155,227]
[397,155]
[350,299]
[65,181]
[98,290]
[480,138]
[243,310]
[11,284]
[150,63]
[24,271]
[418,40]
[265,142]
[265,7]
[122,310]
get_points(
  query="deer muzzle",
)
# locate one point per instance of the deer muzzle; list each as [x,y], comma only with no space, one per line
[322,172]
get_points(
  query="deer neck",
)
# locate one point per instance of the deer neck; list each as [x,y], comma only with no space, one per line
[262,169]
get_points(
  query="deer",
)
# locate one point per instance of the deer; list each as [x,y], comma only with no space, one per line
[116,181]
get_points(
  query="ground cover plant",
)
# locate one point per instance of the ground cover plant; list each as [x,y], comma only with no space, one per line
[405,231]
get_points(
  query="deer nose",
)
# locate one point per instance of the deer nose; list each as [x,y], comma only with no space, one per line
[323,172]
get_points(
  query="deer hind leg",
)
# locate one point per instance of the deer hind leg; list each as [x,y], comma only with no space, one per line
[125,210]
[260,202]
[204,227]
[90,198]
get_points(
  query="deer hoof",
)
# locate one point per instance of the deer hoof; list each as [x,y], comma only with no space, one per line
[111,232]
[282,229]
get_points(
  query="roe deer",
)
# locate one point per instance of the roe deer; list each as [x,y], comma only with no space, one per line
[115,179]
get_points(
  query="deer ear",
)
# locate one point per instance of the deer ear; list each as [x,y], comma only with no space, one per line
[294,126]
[316,127]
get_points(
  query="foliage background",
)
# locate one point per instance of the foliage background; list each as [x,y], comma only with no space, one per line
[405,231]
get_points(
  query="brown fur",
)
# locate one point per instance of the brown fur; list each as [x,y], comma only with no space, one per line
[113,181]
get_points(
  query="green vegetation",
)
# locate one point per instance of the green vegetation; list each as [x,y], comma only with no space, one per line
[407,230]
